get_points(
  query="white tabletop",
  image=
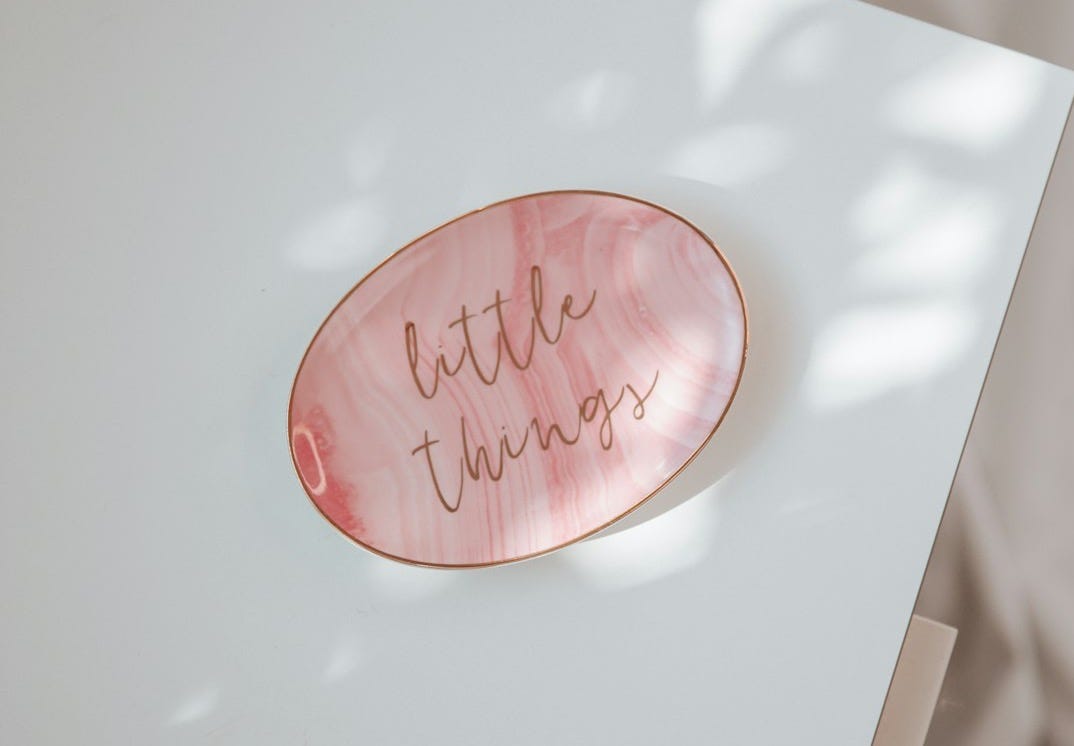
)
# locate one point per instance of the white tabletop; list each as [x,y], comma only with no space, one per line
[187,192]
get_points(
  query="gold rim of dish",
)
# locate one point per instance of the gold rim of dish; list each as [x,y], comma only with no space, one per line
[591,532]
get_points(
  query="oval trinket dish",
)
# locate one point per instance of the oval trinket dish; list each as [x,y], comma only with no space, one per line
[517,379]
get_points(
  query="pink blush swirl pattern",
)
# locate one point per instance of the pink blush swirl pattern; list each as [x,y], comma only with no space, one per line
[517,379]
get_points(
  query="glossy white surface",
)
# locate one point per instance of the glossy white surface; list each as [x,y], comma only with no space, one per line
[187,193]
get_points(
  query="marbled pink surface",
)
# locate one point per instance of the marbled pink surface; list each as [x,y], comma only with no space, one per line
[457,462]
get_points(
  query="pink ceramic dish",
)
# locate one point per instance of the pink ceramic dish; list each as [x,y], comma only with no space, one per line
[517,379]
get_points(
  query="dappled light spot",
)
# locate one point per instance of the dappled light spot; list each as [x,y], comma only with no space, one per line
[731,156]
[666,545]
[593,101]
[809,54]
[367,155]
[950,245]
[339,237]
[344,661]
[730,34]
[973,99]
[868,352]
[197,706]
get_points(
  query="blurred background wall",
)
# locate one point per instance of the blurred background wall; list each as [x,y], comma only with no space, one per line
[1002,571]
